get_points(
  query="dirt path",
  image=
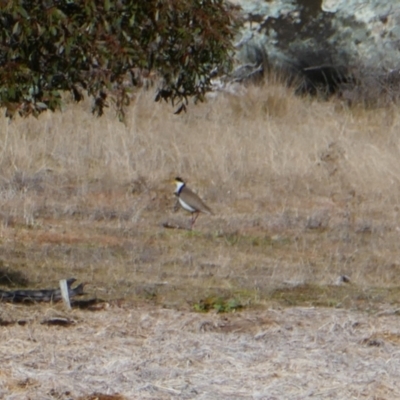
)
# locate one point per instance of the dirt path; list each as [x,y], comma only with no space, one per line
[152,353]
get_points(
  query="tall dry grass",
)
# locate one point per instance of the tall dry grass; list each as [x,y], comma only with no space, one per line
[247,141]
[304,190]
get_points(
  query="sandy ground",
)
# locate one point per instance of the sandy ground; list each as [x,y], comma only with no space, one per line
[155,353]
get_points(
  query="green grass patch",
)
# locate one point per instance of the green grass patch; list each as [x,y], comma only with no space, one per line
[219,304]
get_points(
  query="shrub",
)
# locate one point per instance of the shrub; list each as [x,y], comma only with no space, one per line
[51,46]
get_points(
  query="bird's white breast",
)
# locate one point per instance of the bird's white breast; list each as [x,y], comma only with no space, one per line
[186,206]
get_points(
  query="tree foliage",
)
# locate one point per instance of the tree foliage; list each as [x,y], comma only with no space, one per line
[51,46]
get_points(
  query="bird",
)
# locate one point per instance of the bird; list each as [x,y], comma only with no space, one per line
[190,201]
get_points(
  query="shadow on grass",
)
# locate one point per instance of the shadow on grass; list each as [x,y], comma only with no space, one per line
[11,278]
[344,296]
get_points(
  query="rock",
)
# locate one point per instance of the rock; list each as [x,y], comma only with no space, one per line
[328,41]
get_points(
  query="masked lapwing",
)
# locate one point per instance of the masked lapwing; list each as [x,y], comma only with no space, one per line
[190,201]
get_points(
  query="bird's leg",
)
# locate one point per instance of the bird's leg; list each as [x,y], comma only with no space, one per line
[194,217]
[176,205]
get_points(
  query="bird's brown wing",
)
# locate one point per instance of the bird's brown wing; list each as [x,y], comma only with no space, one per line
[196,201]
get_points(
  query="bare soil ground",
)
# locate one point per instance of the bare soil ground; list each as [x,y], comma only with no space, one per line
[304,192]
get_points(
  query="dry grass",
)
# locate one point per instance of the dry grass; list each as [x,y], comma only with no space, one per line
[146,353]
[304,191]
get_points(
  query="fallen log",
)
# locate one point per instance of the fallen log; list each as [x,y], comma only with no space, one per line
[46,295]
